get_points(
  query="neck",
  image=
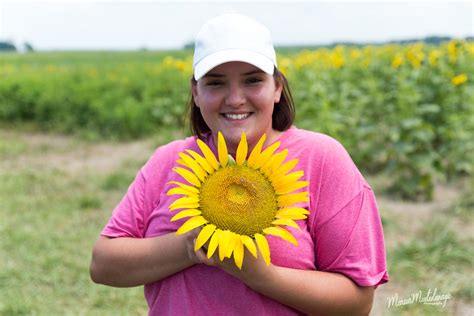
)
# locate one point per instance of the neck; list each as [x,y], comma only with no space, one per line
[232,148]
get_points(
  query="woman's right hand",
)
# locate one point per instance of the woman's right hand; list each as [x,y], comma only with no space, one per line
[190,239]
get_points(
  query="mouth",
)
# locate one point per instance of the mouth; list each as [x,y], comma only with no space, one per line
[236,116]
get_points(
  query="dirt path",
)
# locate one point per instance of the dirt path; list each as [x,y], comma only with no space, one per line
[71,155]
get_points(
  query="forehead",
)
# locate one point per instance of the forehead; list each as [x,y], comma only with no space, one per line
[233,67]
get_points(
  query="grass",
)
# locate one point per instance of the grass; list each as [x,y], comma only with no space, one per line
[50,220]
[430,250]
[463,209]
[435,257]
[52,215]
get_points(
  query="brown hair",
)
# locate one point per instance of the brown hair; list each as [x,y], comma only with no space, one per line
[282,117]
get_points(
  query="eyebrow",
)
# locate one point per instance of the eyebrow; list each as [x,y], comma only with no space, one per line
[212,75]
[256,71]
[217,75]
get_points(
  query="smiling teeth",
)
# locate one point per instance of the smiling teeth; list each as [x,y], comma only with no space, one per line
[236,116]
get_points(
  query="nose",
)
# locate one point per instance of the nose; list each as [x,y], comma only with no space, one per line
[235,96]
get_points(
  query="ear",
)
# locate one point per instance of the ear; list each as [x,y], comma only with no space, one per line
[195,93]
[278,91]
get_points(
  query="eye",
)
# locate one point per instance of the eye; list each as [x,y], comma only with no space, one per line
[253,80]
[214,83]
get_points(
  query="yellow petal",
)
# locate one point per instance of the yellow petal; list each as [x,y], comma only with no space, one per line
[282,233]
[238,253]
[295,209]
[290,199]
[175,191]
[184,186]
[286,222]
[204,236]
[275,161]
[192,223]
[256,151]
[194,166]
[186,213]
[291,187]
[279,181]
[183,201]
[285,168]
[201,161]
[186,199]
[241,150]
[183,205]
[292,213]
[224,242]
[232,241]
[222,149]
[182,163]
[188,176]
[214,243]
[290,216]
[208,154]
[266,154]
[249,244]
[262,244]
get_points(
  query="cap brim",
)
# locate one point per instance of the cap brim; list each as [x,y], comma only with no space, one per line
[213,60]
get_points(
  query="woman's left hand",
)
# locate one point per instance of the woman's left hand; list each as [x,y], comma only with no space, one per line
[254,270]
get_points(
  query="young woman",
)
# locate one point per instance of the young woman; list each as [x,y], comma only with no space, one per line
[340,257]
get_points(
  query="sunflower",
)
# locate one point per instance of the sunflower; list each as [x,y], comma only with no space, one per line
[238,202]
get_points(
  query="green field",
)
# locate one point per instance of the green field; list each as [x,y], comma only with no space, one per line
[75,127]
[402,110]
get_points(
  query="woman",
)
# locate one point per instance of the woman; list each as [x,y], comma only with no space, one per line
[340,257]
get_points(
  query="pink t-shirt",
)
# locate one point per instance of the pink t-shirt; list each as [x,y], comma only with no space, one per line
[342,234]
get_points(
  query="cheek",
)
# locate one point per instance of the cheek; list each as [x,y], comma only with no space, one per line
[209,107]
[263,99]
[209,100]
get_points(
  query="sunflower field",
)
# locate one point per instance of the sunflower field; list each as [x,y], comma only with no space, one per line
[403,110]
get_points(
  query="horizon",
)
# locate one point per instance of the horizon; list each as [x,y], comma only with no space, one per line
[20,46]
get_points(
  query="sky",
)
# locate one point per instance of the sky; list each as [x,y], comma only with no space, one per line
[157,24]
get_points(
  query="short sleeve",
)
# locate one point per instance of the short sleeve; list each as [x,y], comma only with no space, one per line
[345,222]
[131,216]
[352,243]
[128,216]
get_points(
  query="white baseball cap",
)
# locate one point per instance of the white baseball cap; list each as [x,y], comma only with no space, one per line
[233,37]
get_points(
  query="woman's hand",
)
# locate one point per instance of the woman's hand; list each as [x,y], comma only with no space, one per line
[254,270]
[189,240]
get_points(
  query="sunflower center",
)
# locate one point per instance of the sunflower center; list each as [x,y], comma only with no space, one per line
[238,193]
[238,198]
